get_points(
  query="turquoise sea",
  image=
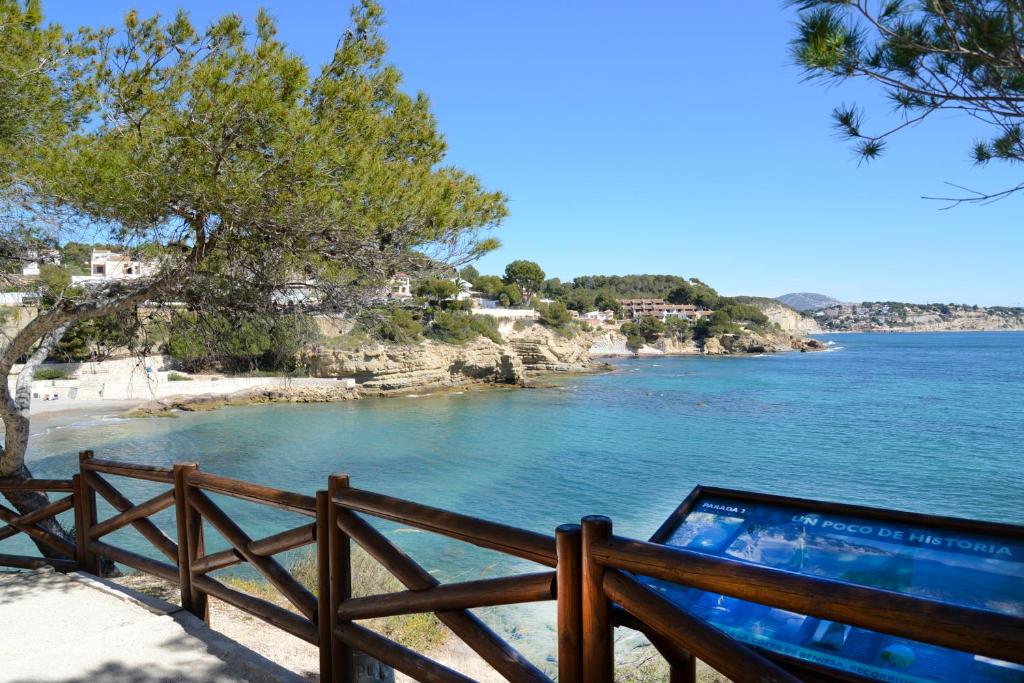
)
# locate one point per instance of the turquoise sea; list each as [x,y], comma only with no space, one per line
[923,422]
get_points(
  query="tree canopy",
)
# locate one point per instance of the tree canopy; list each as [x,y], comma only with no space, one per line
[528,276]
[251,183]
[940,55]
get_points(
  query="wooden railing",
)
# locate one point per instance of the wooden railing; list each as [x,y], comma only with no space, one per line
[598,580]
[29,524]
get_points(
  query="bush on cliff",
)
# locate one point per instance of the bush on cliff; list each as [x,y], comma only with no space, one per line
[398,326]
[458,327]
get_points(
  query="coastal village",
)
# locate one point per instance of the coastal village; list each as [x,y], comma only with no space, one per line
[529,331]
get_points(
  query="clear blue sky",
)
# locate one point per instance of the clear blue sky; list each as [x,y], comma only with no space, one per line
[674,137]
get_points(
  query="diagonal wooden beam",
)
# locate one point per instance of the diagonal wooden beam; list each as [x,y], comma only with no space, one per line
[727,655]
[505,659]
[41,535]
[136,512]
[271,545]
[269,567]
[51,510]
[149,531]
[399,657]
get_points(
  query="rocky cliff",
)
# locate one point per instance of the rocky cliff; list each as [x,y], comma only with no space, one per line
[395,368]
[609,341]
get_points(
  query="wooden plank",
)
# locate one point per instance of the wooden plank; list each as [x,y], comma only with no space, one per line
[151,532]
[398,657]
[135,560]
[12,484]
[50,510]
[507,590]
[271,545]
[570,603]
[28,562]
[598,646]
[164,475]
[296,593]
[256,493]
[506,539]
[505,659]
[267,611]
[984,632]
[727,655]
[136,512]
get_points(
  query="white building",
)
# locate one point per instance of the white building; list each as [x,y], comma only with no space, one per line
[111,265]
[31,269]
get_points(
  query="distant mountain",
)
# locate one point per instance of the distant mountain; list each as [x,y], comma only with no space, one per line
[807,301]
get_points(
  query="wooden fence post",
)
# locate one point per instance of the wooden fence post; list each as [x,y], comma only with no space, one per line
[570,618]
[190,542]
[324,618]
[181,511]
[85,517]
[598,654]
[342,659]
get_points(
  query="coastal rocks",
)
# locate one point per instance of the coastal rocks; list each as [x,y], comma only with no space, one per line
[281,394]
[804,344]
[713,347]
[387,369]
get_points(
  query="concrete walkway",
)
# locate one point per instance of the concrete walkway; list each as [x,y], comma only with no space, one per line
[76,628]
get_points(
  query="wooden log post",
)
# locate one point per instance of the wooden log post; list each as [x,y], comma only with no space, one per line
[324,618]
[181,517]
[598,654]
[190,523]
[85,518]
[342,656]
[570,607]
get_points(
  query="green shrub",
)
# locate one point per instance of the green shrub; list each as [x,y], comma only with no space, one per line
[398,325]
[49,373]
[178,377]
[554,314]
[647,328]
[458,327]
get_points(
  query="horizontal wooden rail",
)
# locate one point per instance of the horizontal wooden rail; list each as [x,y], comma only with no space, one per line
[135,560]
[509,590]
[8,484]
[256,493]
[726,655]
[265,547]
[399,657]
[506,539]
[27,562]
[991,634]
[164,475]
[268,611]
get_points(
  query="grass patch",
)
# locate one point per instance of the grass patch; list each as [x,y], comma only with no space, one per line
[178,377]
[49,373]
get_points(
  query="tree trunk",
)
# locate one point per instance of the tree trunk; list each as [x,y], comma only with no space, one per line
[15,414]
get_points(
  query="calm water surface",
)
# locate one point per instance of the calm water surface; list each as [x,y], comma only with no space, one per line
[923,422]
